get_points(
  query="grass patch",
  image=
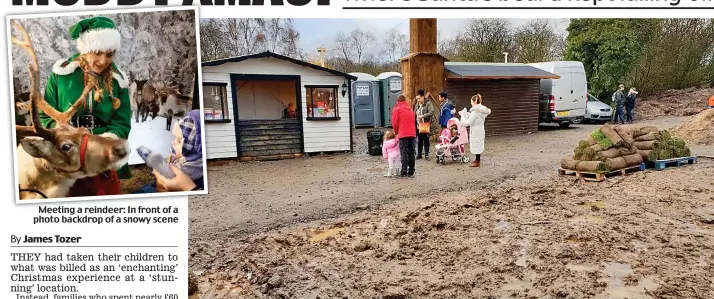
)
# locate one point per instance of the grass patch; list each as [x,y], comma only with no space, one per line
[601,139]
[602,168]
[669,147]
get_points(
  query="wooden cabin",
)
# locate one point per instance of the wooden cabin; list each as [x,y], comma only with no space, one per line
[267,106]
[510,90]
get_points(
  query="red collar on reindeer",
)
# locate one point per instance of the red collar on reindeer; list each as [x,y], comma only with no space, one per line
[82,155]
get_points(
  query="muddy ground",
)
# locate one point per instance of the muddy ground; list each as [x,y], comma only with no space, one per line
[679,102]
[512,228]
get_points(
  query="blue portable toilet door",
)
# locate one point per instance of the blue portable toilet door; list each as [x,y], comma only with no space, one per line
[363,104]
[395,88]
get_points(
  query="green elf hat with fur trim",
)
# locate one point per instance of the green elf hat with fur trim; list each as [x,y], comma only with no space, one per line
[97,34]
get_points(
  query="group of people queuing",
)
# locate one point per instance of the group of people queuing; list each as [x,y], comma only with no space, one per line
[624,104]
[413,126]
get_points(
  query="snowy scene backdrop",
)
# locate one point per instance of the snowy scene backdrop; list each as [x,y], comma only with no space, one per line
[156,46]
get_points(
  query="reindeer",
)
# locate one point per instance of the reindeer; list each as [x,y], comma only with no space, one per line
[50,161]
[145,98]
[22,109]
[174,104]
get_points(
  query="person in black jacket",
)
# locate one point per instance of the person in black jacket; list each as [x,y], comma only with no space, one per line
[630,100]
[619,98]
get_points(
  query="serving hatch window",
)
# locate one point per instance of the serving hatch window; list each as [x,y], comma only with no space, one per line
[322,102]
[215,101]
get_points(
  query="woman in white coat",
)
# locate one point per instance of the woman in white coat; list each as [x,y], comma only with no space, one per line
[474,119]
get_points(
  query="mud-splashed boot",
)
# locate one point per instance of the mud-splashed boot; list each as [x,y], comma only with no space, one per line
[389,173]
[476,164]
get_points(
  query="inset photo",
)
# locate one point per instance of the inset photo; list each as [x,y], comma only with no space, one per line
[106,104]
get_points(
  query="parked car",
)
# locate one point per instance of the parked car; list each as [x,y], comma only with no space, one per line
[563,100]
[598,111]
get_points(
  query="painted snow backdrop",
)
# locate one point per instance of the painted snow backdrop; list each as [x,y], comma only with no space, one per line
[156,46]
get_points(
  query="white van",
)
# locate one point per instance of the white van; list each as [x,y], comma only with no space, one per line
[563,100]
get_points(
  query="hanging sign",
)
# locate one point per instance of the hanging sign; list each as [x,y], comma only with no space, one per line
[395,85]
[362,90]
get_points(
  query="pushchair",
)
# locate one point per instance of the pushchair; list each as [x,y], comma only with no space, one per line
[450,146]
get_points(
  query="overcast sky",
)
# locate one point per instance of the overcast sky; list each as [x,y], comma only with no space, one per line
[320,32]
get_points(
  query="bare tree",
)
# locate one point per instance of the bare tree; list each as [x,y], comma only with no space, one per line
[537,41]
[213,41]
[395,45]
[360,40]
[237,37]
[281,37]
[343,52]
[484,40]
[447,47]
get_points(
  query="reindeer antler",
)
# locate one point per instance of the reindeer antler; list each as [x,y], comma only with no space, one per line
[36,99]
[36,129]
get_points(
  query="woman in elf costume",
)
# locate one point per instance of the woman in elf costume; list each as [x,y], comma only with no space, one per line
[107,110]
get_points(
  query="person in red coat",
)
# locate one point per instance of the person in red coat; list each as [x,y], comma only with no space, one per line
[404,125]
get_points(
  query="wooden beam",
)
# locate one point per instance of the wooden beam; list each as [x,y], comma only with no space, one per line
[270,158]
[424,71]
[422,35]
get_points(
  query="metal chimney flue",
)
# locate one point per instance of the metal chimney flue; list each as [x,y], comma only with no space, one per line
[321,53]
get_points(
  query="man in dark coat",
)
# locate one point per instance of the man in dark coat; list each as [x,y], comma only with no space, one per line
[403,123]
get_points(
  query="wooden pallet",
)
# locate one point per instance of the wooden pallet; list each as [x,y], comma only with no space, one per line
[600,176]
[676,162]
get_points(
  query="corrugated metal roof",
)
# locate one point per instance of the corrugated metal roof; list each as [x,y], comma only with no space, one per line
[477,70]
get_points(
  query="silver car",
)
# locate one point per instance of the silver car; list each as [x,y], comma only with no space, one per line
[598,111]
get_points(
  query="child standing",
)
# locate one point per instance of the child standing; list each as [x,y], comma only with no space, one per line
[390,152]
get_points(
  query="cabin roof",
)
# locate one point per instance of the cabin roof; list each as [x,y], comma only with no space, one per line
[268,54]
[494,71]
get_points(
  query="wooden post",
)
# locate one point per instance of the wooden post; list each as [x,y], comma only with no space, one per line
[422,35]
[424,67]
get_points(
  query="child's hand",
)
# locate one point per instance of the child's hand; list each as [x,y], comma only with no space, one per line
[180,182]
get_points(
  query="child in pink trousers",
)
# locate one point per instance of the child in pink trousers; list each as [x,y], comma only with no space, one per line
[390,152]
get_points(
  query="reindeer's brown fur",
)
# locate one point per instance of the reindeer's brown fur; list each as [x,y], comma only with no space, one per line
[146,101]
[38,174]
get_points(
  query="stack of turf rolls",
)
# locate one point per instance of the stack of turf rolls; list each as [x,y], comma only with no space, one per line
[613,148]
[607,149]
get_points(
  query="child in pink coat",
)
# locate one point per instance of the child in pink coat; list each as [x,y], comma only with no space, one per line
[390,152]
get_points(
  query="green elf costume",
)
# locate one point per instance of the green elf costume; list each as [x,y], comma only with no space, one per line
[106,115]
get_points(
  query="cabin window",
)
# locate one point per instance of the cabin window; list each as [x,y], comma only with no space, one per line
[215,102]
[322,102]
[266,99]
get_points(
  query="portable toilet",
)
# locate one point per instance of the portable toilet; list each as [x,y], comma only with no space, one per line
[390,84]
[365,101]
